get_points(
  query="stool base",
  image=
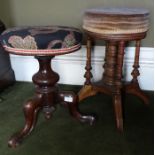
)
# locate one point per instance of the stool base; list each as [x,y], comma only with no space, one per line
[46,97]
[112,77]
[131,88]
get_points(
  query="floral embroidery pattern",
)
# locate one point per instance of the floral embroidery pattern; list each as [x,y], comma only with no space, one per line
[69,40]
[53,43]
[41,40]
[49,29]
[27,43]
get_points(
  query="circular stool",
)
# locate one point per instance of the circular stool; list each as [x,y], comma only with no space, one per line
[116,26]
[44,43]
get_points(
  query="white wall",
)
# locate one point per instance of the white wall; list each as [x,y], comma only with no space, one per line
[71,66]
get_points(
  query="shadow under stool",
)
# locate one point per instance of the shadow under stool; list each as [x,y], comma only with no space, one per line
[117,27]
[44,43]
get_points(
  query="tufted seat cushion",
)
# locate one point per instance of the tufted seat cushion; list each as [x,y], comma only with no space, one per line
[41,41]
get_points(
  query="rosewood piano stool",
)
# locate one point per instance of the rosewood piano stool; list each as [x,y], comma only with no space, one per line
[44,43]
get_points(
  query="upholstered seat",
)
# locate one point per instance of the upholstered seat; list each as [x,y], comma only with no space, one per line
[116,20]
[42,41]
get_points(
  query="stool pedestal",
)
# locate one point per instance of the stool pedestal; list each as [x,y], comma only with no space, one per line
[47,95]
[112,76]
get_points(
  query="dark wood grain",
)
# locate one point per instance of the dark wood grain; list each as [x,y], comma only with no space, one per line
[47,95]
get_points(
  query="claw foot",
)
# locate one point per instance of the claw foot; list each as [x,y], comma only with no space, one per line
[15,141]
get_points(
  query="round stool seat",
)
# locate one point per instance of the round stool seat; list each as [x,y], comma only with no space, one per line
[116,20]
[41,41]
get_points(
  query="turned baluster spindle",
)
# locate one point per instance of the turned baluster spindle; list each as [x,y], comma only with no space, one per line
[135,73]
[88,75]
[105,58]
[120,59]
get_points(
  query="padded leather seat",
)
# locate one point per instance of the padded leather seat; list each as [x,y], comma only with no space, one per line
[41,41]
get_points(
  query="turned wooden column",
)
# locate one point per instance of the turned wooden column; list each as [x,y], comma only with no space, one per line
[110,63]
[113,76]
[88,75]
[45,82]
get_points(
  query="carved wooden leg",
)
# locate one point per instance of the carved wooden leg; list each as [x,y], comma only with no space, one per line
[70,100]
[133,87]
[44,80]
[117,101]
[87,90]
[31,109]
[117,98]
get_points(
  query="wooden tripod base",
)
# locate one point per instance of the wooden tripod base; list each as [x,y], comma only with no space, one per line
[46,97]
[91,90]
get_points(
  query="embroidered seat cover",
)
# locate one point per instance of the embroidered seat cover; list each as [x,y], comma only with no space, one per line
[43,41]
